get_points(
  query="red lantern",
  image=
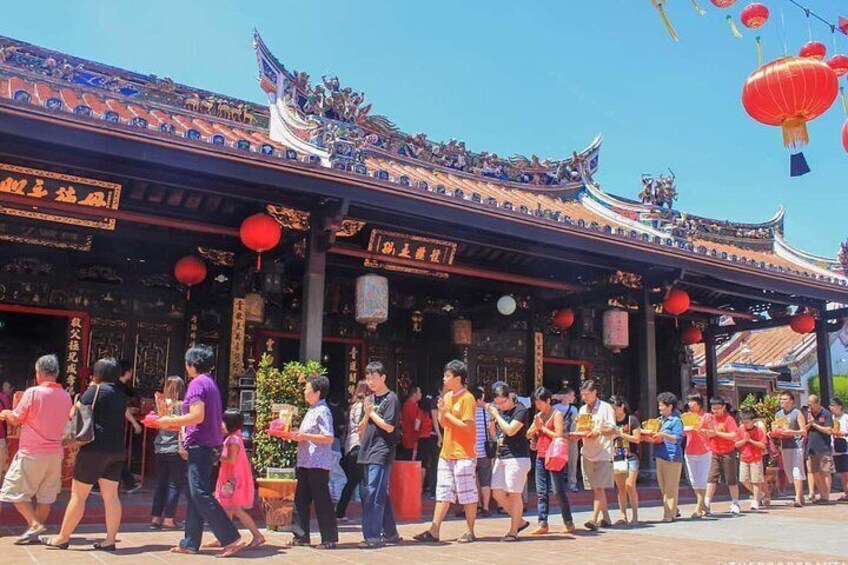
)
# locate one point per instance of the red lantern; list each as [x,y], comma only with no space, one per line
[260,232]
[723,3]
[754,15]
[813,50]
[845,135]
[790,92]
[839,64]
[190,271]
[677,302]
[691,335]
[563,319]
[802,323]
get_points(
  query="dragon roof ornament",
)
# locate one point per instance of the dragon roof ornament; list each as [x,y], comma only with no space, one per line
[334,123]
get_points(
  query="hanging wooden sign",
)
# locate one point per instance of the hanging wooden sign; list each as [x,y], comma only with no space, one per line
[237,339]
[46,186]
[423,250]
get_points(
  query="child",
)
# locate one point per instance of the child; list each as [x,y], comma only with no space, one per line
[170,462]
[751,442]
[234,489]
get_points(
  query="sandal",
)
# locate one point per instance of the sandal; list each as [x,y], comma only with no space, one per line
[426,537]
[467,537]
[621,522]
[843,498]
[605,524]
[49,544]
[256,543]
[102,547]
[510,538]
[299,542]
[154,526]
[184,550]
[591,526]
[211,545]
[523,526]
[326,545]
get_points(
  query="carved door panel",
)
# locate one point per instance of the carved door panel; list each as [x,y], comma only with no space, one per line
[488,371]
[152,348]
[514,374]
[108,339]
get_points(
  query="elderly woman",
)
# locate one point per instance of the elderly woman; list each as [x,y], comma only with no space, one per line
[202,417]
[100,461]
[314,457]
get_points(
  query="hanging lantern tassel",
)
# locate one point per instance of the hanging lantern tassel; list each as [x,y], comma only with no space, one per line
[759,51]
[735,30]
[698,8]
[661,9]
[844,100]
[258,262]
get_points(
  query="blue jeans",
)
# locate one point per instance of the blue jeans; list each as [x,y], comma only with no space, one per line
[378,518]
[170,478]
[547,483]
[202,506]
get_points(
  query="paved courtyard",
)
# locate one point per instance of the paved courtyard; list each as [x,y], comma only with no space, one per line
[816,535]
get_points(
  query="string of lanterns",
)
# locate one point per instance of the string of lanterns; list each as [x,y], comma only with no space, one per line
[790,91]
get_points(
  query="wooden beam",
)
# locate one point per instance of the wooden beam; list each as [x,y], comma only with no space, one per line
[123,215]
[711,362]
[459,270]
[836,314]
[825,365]
[722,312]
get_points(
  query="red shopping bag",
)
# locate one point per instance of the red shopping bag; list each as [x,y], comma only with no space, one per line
[557,455]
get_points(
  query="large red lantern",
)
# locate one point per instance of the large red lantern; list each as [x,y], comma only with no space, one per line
[723,3]
[788,93]
[677,302]
[190,271]
[691,335]
[839,64]
[845,135]
[260,232]
[754,15]
[802,323]
[563,319]
[814,50]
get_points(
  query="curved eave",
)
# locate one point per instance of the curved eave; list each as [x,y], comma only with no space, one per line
[810,261]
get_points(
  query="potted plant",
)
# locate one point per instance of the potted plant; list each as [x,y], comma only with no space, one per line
[765,409]
[275,387]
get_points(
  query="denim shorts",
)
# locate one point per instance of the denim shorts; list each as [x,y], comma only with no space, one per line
[632,465]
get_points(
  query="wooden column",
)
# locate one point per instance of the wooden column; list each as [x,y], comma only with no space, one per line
[647,357]
[824,361]
[711,362]
[647,371]
[312,313]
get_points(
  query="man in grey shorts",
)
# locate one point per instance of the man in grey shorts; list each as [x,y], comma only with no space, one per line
[792,448]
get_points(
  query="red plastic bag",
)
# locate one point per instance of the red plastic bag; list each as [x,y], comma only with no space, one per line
[556,457]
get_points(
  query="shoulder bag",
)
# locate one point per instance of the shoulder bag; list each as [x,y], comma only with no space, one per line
[80,428]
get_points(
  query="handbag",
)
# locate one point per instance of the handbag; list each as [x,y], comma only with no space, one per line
[489,446]
[79,430]
[556,458]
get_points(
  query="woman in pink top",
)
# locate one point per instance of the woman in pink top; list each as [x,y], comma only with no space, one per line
[698,457]
[235,490]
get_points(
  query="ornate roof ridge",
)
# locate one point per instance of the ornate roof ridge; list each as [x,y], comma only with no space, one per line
[809,260]
[99,77]
[331,117]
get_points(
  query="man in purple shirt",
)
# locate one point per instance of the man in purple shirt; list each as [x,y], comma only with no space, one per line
[202,415]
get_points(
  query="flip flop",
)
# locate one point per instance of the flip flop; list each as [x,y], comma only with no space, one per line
[100,547]
[256,544]
[211,545]
[184,550]
[426,537]
[232,549]
[621,522]
[48,543]
[509,538]
[523,526]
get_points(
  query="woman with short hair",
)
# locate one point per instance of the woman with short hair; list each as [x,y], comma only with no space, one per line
[100,461]
[314,457]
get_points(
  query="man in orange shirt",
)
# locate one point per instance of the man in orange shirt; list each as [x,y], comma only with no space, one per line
[456,481]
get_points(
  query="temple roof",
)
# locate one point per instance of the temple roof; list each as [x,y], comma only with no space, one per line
[329,125]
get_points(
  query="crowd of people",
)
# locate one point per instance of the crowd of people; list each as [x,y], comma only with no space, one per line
[478,449]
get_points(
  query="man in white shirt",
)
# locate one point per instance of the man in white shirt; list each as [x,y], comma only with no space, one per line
[597,452]
[840,444]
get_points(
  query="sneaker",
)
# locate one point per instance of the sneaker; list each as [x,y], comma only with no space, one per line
[708,511]
[391,540]
[540,530]
[735,510]
[133,489]
[755,507]
[30,536]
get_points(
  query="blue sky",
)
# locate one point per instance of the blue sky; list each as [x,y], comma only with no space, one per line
[510,77]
